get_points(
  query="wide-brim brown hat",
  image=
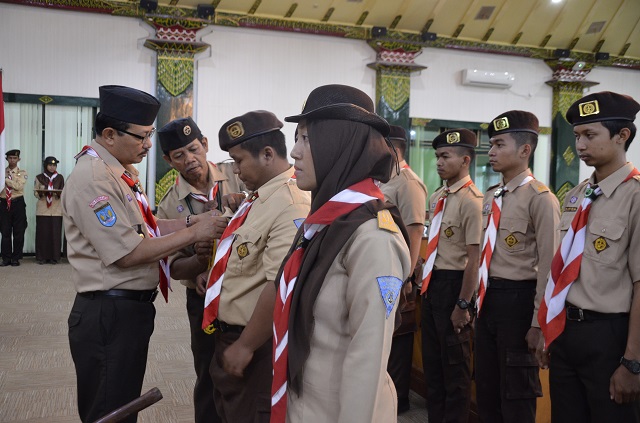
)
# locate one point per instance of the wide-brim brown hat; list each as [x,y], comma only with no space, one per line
[341,102]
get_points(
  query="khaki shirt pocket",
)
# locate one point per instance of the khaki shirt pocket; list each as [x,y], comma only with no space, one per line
[451,231]
[512,234]
[603,243]
[246,250]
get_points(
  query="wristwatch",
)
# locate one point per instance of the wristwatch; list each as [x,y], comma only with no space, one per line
[463,304]
[632,365]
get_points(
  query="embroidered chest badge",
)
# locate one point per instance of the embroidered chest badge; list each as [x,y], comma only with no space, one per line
[390,287]
[106,215]
[511,240]
[242,250]
[573,199]
[180,208]
[449,232]
[129,198]
[600,244]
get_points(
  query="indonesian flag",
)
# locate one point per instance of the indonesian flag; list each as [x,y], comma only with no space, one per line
[2,144]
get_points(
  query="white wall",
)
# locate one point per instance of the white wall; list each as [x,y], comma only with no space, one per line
[253,69]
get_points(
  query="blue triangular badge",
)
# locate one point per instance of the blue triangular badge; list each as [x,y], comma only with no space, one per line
[298,222]
[390,287]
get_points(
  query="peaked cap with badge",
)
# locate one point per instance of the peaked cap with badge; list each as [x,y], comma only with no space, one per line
[455,138]
[248,126]
[602,106]
[50,160]
[514,121]
[178,133]
[341,102]
[13,152]
[128,105]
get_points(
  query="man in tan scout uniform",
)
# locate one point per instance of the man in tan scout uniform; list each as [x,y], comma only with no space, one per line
[199,187]
[114,251]
[519,242]
[450,279]
[593,333]
[407,192]
[13,211]
[241,369]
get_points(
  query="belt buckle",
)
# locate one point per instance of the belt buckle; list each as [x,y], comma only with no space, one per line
[153,296]
[580,317]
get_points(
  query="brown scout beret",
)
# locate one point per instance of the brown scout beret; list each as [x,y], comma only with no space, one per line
[341,102]
[602,106]
[178,133]
[128,105]
[50,160]
[246,127]
[455,138]
[12,153]
[514,121]
[397,133]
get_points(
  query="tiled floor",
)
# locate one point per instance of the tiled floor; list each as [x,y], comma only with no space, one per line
[37,378]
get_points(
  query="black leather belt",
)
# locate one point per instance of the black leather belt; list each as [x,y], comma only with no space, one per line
[447,274]
[577,314]
[499,283]
[143,296]
[225,328]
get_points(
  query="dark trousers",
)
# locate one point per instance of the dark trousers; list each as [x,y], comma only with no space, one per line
[507,381]
[583,359]
[48,237]
[109,340]
[399,367]
[244,399]
[13,223]
[202,347]
[446,357]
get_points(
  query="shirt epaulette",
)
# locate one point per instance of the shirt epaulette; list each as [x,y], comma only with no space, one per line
[493,187]
[538,186]
[475,191]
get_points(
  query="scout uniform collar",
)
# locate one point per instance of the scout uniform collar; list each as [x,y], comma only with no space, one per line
[116,167]
[458,185]
[184,189]
[609,184]
[515,182]
[273,184]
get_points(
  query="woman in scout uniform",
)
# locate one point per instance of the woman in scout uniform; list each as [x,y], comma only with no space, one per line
[339,285]
[590,316]
[48,187]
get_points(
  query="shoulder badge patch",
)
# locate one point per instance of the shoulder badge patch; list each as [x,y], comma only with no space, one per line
[98,199]
[106,216]
[386,222]
[390,287]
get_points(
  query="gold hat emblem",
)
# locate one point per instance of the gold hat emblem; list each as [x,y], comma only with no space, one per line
[511,240]
[501,124]
[589,108]
[600,244]
[243,251]
[235,130]
[453,138]
[186,130]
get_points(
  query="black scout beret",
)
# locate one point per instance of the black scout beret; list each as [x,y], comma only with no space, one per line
[397,133]
[455,138]
[128,105]
[51,160]
[341,102]
[178,133]
[514,121]
[246,127]
[12,153]
[602,106]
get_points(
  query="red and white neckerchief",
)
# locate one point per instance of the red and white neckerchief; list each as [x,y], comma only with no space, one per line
[342,203]
[490,240]
[223,252]
[147,216]
[50,187]
[565,267]
[201,198]
[406,166]
[8,190]
[434,237]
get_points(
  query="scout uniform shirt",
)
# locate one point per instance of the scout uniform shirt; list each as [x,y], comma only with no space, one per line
[526,236]
[56,205]
[405,191]
[260,245]
[16,183]
[461,224]
[345,377]
[103,223]
[177,203]
[610,263]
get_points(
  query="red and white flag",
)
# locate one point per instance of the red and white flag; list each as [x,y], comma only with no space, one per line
[2,142]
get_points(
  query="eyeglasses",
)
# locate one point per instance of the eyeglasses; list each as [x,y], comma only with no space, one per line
[140,137]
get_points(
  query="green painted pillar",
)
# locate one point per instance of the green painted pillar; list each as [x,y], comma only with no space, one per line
[176,45]
[568,82]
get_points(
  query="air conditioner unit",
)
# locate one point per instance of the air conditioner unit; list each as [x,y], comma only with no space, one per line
[482,78]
